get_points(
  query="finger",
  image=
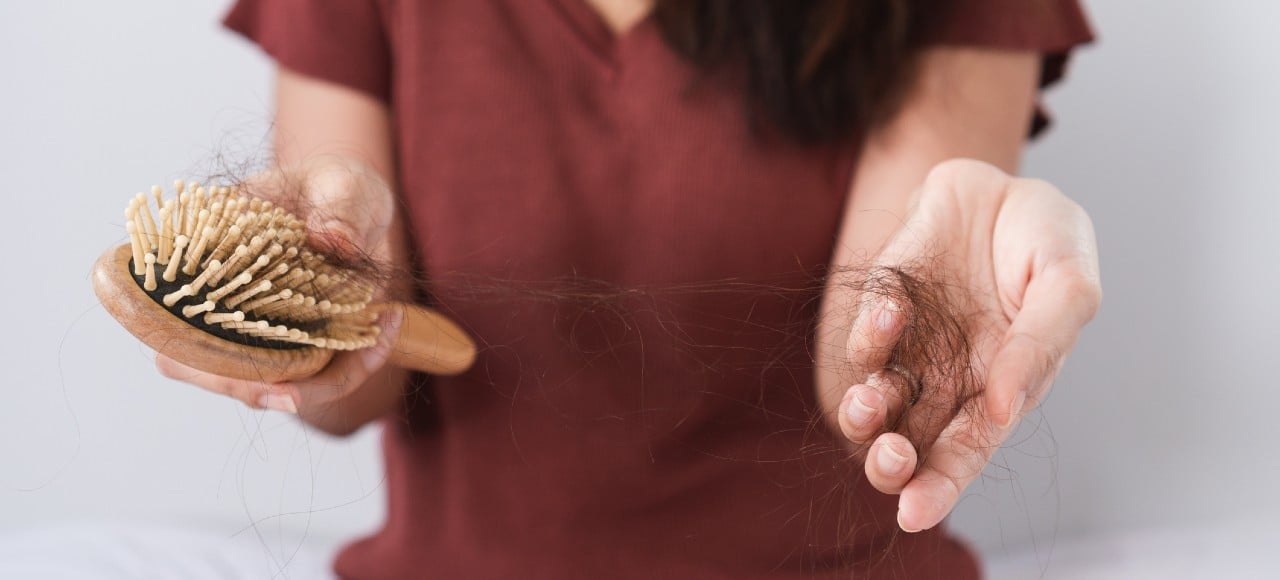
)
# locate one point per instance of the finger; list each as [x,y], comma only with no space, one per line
[311,192]
[350,369]
[877,327]
[346,212]
[868,407]
[890,463]
[256,394]
[347,207]
[955,460]
[939,398]
[1057,304]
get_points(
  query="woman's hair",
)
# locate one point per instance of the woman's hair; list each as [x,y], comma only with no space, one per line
[817,70]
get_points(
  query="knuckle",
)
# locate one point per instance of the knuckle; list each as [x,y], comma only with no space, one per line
[174,370]
[334,181]
[967,180]
[249,393]
[1092,294]
[950,486]
[165,366]
[1041,187]
[1087,291]
[953,170]
[961,170]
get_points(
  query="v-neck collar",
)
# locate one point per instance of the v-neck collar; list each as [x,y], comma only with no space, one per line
[591,27]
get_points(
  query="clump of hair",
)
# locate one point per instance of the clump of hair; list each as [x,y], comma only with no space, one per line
[934,359]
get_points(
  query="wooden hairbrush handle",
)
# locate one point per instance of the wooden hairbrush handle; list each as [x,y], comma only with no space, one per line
[427,342]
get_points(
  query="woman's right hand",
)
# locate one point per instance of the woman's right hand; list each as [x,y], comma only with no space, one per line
[350,212]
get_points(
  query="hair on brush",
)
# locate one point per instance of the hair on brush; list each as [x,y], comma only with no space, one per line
[227,284]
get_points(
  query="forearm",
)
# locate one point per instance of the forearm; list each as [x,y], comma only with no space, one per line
[383,392]
[319,125]
[965,104]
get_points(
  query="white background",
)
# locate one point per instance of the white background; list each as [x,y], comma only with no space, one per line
[1164,419]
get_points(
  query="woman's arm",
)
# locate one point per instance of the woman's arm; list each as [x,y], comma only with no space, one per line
[323,124]
[1019,257]
[315,119]
[965,103]
[334,152]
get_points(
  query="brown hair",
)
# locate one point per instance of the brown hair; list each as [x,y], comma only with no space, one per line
[817,70]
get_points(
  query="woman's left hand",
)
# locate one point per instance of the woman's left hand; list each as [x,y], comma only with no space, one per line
[1027,256]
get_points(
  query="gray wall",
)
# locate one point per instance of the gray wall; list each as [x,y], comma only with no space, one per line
[1162,418]
[1165,414]
[109,98]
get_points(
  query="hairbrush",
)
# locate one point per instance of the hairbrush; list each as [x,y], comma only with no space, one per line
[227,284]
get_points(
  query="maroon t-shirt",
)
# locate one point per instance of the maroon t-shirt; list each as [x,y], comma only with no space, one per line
[642,269]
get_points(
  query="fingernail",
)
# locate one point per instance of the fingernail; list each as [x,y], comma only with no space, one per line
[903,526]
[887,314]
[890,461]
[1015,408]
[339,236]
[275,402]
[863,405]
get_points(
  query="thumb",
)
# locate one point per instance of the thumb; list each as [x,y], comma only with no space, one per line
[1057,304]
[348,370]
[337,237]
[349,209]
[390,321]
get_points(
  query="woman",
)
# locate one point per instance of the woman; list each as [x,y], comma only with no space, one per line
[712,156]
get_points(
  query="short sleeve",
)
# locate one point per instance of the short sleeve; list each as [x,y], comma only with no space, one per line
[339,41]
[1050,27]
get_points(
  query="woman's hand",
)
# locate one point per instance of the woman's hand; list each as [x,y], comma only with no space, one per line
[1027,259]
[350,212]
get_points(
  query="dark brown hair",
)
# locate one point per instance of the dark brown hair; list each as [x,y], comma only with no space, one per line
[816,70]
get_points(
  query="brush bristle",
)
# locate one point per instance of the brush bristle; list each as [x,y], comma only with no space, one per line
[239,267]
